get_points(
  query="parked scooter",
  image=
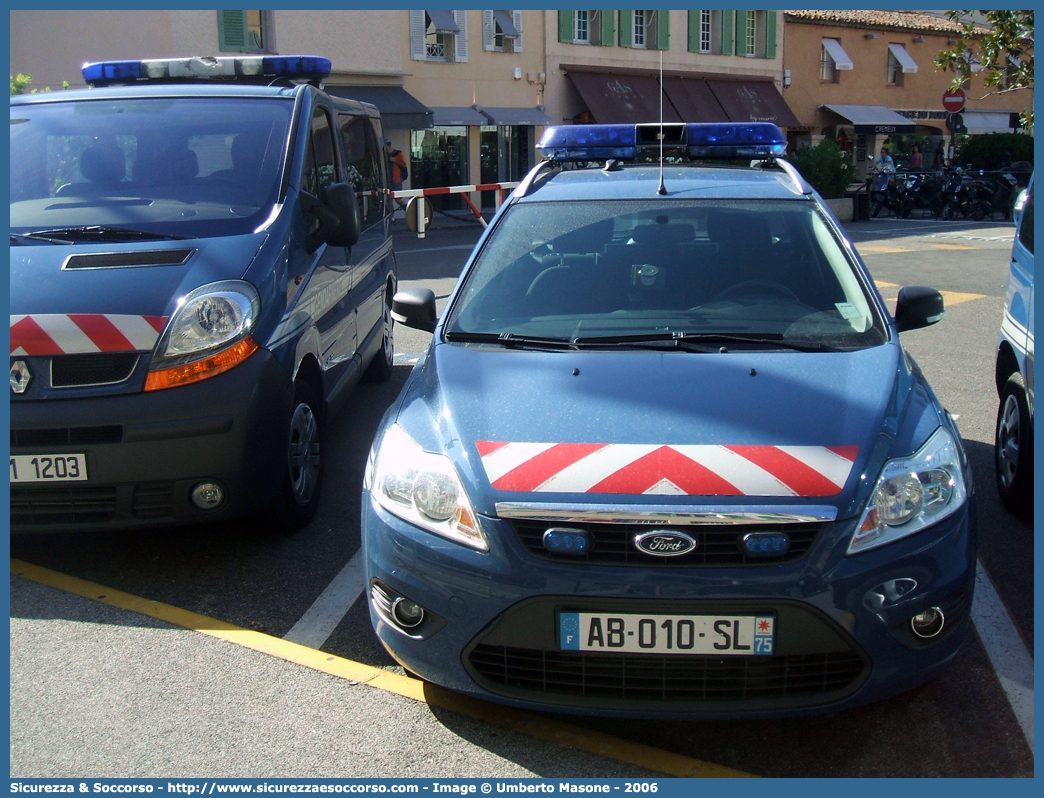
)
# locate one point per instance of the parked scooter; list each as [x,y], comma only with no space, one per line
[889,190]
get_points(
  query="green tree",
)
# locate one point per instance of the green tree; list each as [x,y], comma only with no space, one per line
[1003,51]
[826,167]
[20,82]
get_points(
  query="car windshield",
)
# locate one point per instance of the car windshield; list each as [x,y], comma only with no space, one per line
[185,167]
[626,272]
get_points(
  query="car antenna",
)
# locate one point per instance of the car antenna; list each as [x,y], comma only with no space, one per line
[662,189]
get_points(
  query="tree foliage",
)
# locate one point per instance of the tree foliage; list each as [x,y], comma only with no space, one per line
[20,82]
[1004,53]
[826,167]
[996,150]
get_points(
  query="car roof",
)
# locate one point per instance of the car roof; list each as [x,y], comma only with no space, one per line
[682,181]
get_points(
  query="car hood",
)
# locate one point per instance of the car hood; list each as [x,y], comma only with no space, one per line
[740,427]
[62,279]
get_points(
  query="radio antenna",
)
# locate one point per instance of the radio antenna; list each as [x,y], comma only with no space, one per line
[662,189]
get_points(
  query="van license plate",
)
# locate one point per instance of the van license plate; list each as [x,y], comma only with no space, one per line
[745,635]
[48,468]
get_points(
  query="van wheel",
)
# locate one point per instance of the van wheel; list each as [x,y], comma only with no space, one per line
[380,369]
[304,474]
[1013,448]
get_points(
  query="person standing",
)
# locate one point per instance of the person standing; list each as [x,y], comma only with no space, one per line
[398,170]
[916,158]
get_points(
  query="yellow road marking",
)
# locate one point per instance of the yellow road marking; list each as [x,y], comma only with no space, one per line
[562,733]
[952,298]
[951,246]
[880,249]
[881,284]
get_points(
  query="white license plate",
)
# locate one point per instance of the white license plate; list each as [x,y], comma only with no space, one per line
[745,635]
[48,468]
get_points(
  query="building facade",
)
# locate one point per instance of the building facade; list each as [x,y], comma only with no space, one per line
[868,79]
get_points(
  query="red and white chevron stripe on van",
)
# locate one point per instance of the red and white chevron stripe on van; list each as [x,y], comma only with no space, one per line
[83,333]
[698,470]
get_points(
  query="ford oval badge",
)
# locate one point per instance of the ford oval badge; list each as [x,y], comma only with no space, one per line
[665,543]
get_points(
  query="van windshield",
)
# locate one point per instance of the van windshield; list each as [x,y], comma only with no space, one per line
[619,272]
[187,167]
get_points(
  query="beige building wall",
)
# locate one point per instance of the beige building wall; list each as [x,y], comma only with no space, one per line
[564,102]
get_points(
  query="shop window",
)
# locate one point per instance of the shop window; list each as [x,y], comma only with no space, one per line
[439,157]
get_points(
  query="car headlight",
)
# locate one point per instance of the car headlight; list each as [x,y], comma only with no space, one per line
[208,334]
[912,493]
[422,488]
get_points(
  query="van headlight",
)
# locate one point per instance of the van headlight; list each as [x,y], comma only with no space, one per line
[422,488]
[912,493]
[209,334]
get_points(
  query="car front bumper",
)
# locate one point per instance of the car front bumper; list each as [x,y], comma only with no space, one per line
[842,623]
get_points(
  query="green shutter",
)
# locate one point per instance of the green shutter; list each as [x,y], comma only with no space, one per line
[694,32]
[741,33]
[626,27]
[770,34]
[565,26]
[727,40]
[663,29]
[232,32]
[608,29]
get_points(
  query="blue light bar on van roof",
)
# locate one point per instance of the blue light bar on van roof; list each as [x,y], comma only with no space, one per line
[301,67]
[696,140]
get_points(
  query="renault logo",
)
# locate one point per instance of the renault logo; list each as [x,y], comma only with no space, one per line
[20,376]
[665,543]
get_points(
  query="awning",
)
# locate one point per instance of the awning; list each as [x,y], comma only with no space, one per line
[979,122]
[841,59]
[399,109]
[693,100]
[622,98]
[507,26]
[752,101]
[905,61]
[466,115]
[515,116]
[443,21]
[873,119]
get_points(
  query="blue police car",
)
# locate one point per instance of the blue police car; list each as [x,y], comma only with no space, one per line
[201,269]
[665,455]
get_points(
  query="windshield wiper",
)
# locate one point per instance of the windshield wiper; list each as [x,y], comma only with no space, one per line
[509,340]
[22,239]
[99,233]
[697,341]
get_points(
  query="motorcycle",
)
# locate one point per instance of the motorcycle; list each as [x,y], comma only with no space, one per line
[888,190]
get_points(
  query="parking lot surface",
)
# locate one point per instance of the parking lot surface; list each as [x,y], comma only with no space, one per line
[102,689]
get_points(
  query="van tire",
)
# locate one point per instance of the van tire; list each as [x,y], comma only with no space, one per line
[303,482]
[1013,448]
[380,368]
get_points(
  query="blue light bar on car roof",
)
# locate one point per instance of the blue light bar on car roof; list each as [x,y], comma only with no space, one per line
[302,67]
[696,140]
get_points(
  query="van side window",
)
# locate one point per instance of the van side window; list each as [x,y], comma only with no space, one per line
[363,166]
[320,169]
[1026,225]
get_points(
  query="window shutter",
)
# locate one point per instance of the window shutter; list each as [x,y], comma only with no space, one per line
[727,39]
[487,30]
[663,29]
[694,32]
[418,52]
[741,33]
[606,31]
[565,26]
[460,40]
[626,27]
[516,17]
[770,34]
[232,31]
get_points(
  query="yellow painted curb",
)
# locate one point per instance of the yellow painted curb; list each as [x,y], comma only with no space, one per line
[562,733]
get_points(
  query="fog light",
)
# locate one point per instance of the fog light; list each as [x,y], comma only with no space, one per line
[407,613]
[928,623]
[207,495]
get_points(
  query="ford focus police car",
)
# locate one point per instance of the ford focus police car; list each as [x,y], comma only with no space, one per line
[201,268]
[665,454]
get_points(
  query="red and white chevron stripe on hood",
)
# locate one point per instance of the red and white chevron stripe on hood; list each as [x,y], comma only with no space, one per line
[696,470]
[83,333]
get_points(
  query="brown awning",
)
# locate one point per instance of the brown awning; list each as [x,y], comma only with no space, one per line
[752,101]
[621,98]
[694,100]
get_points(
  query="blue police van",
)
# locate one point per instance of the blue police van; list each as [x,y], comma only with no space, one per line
[201,270]
[666,455]
[1014,375]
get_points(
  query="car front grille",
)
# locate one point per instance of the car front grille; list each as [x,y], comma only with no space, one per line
[716,545]
[62,436]
[68,504]
[81,371]
[666,678]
